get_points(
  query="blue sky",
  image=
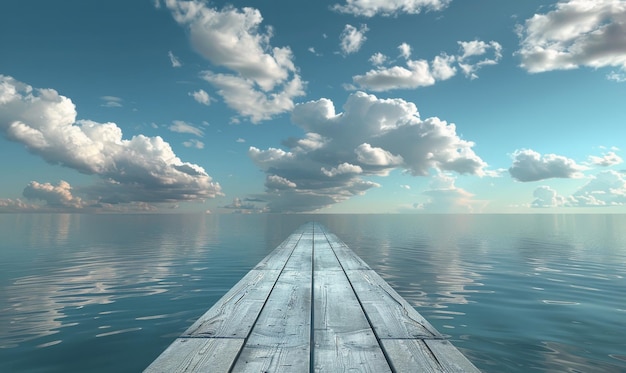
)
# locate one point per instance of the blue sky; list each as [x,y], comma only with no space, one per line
[346,106]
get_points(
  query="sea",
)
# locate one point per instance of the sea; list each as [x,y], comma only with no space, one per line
[515,293]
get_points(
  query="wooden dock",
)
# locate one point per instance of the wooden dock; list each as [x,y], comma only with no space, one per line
[312,305]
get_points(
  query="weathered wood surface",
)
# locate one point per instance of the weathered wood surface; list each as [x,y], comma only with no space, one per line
[312,305]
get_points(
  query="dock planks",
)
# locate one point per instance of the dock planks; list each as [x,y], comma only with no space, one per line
[312,305]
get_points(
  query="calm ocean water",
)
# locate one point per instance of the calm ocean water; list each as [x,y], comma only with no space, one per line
[516,293]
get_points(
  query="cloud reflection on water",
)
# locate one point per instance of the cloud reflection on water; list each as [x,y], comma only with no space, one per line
[78,263]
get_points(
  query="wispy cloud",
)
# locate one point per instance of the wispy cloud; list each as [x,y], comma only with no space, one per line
[111,101]
[422,73]
[193,143]
[183,127]
[174,60]
[370,8]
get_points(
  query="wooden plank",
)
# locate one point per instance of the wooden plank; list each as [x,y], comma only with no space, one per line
[343,338]
[324,256]
[264,323]
[277,258]
[391,315]
[411,355]
[349,260]
[280,340]
[197,355]
[234,314]
[301,257]
[451,359]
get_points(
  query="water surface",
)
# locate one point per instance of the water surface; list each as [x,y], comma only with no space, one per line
[515,293]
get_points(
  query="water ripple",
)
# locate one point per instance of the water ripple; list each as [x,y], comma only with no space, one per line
[514,293]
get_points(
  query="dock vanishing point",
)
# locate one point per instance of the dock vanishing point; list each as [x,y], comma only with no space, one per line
[312,305]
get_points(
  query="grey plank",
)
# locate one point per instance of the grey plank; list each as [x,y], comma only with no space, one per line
[343,338]
[301,257]
[349,260]
[197,355]
[450,358]
[234,314]
[324,256]
[411,355]
[390,315]
[277,258]
[264,321]
[280,339]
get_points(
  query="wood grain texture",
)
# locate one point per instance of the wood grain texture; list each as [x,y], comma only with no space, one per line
[450,358]
[349,260]
[343,338]
[390,314]
[277,258]
[411,355]
[324,257]
[197,355]
[302,256]
[280,339]
[234,314]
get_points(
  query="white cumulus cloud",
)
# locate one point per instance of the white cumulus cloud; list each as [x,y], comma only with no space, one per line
[201,97]
[547,197]
[606,189]
[233,38]
[405,50]
[445,197]
[344,168]
[369,155]
[277,182]
[415,74]
[378,59]
[606,160]
[242,95]
[575,33]
[17,205]
[352,39]
[54,195]
[477,48]
[139,169]
[370,8]
[370,137]
[529,165]
[422,73]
